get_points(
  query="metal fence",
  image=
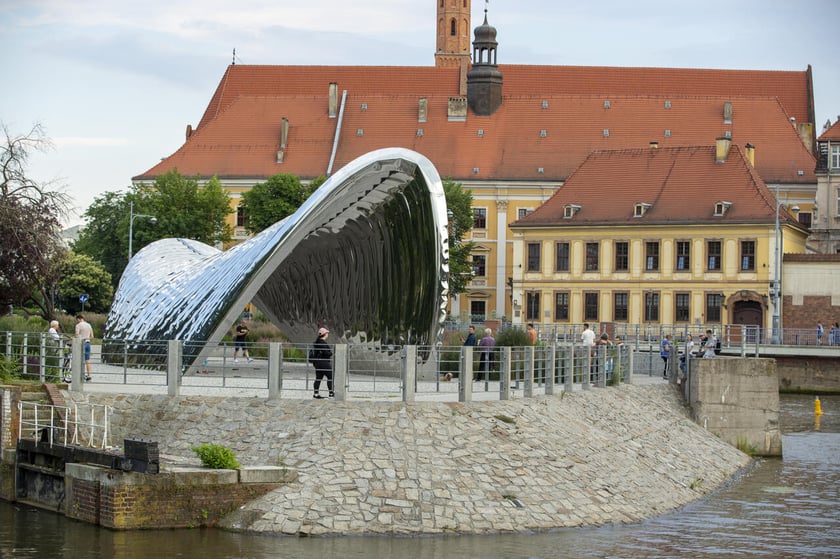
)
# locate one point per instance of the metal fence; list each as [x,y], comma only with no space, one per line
[360,371]
[81,425]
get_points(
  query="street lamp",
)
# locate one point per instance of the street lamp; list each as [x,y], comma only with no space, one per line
[131,217]
[774,339]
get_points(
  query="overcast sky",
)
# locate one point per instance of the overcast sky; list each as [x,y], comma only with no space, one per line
[115,83]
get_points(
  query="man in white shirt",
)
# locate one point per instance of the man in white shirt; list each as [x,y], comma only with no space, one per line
[587,336]
[85,331]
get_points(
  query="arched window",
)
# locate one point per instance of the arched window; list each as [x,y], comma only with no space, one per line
[453,27]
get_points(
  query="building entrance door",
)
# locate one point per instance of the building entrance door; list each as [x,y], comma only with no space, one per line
[748,313]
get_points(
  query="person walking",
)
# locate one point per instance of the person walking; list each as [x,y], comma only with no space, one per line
[239,341]
[84,331]
[470,341]
[321,359]
[532,334]
[487,345]
[587,337]
[709,343]
[689,348]
[834,334]
[820,332]
[665,353]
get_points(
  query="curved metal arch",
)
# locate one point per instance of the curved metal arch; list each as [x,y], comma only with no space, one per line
[366,255]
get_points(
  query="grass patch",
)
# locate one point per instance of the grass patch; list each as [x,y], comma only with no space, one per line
[505,419]
[742,444]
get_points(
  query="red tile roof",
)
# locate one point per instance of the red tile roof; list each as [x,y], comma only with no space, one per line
[832,134]
[681,185]
[239,134]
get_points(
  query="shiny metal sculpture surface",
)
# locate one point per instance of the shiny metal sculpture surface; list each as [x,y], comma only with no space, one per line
[366,256]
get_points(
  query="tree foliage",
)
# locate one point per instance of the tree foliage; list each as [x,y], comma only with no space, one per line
[81,274]
[181,206]
[459,203]
[277,198]
[31,248]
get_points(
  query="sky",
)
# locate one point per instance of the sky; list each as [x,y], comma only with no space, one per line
[115,83]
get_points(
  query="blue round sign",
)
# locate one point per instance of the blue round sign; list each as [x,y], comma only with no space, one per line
[83,298]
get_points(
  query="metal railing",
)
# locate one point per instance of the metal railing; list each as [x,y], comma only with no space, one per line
[82,425]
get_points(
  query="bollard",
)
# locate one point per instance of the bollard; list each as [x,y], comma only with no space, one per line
[817,406]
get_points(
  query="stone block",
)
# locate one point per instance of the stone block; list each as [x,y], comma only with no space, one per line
[265,474]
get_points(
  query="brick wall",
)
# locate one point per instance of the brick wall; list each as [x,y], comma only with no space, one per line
[127,500]
[812,310]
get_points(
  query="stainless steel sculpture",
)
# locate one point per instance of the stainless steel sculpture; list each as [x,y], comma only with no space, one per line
[367,255]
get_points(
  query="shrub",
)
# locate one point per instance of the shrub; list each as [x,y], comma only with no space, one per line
[216,456]
[512,337]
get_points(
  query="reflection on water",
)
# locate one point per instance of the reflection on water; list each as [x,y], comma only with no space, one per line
[778,508]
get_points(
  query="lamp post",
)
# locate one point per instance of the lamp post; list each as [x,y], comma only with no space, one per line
[131,217]
[774,337]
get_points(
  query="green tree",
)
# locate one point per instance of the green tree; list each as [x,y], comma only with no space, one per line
[182,207]
[277,198]
[459,203]
[81,274]
[105,236]
[31,248]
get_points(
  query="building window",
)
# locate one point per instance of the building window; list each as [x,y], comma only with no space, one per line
[620,307]
[683,255]
[805,219]
[838,202]
[651,306]
[591,257]
[747,256]
[533,257]
[835,157]
[590,306]
[532,305]
[241,218]
[622,256]
[522,212]
[682,307]
[561,306]
[453,27]
[479,265]
[713,255]
[652,256]
[714,301]
[478,311]
[561,257]
[480,218]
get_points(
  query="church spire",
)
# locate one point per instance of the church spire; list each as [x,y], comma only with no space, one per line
[484,80]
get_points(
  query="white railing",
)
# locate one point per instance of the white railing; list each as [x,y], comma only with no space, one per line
[87,425]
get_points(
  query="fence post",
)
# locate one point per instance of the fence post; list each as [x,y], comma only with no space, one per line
[275,364]
[504,374]
[586,377]
[77,365]
[409,372]
[628,375]
[465,374]
[173,366]
[42,370]
[550,365]
[602,362]
[340,377]
[528,390]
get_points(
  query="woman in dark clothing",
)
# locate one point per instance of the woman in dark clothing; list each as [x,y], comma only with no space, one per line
[321,358]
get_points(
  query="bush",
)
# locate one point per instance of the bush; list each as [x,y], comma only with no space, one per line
[216,456]
[512,337]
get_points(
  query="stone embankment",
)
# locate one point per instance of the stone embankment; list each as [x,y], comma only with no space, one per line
[613,455]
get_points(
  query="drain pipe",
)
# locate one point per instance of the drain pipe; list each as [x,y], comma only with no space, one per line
[337,132]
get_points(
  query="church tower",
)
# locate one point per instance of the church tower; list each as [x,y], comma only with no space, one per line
[453,36]
[484,80]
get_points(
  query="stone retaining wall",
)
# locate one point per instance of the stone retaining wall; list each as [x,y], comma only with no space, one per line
[611,455]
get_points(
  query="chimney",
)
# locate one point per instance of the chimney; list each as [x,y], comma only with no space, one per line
[749,151]
[722,146]
[333,108]
[654,145]
[189,131]
[284,138]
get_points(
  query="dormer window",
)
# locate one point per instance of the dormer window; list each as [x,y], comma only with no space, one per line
[721,207]
[569,210]
[641,208]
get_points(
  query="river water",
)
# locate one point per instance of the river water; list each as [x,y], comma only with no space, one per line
[787,507]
